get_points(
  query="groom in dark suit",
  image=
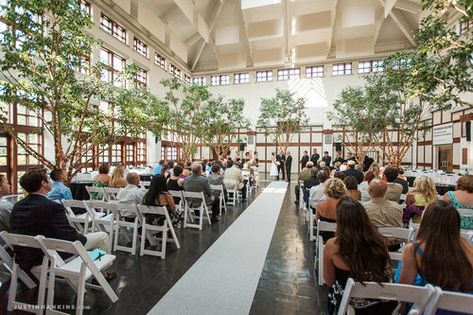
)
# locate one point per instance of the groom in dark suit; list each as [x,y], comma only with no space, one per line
[281,158]
[288,166]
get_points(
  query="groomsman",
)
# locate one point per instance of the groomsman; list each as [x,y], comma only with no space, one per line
[304,160]
[315,157]
[288,166]
[338,158]
[327,158]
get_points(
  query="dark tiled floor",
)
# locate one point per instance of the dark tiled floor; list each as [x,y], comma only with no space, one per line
[287,284]
[143,281]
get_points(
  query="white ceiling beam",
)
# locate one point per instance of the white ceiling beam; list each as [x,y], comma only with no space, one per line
[388,6]
[332,28]
[213,20]
[171,15]
[286,26]
[408,6]
[401,22]
[193,39]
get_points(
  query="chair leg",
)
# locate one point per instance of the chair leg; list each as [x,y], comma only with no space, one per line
[201,218]
[115,240]
[80,294]
[143,237]
[51,284]
[206,209]
[164,240]
[42,284]
[135,237]
[13,285]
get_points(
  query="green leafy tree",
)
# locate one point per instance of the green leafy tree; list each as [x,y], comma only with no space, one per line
[224,117]
[187,116]
[45,49]
[282,116]
[443,64]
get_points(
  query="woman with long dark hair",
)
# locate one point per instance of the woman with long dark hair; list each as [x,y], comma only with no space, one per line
[357,251]
[158,195]
[439,254]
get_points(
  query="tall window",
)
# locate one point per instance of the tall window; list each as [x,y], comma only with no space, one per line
[114,66]
[27,117]
[113,28]
[262,76]
[175,71]
[240,78]
[129,152]
[116,153]
[341,69]
[140,47]
[141,152]
[141,77]
[160,60]
[199,81]
[3,151]
[223,79]
[33,140]
[84,5]
[314,71]
[286,74]
[370,66]
[104,155]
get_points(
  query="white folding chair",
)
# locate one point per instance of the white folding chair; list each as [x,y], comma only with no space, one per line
[231,191]
[96,193]
[450,301]
[111,193]
[167,226]
[124,211]
[7,261]
[26,241]
[104,218]
[83,222]
[178,194]
[77,271]
[144,184]
[13,198]
[419,296]
[397,232]
[221,196]
[193,198]
[468,235]
[322,226]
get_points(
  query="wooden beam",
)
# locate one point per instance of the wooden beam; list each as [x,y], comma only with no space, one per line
[213,20]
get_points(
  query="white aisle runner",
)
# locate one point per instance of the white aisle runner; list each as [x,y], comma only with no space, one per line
[224,279]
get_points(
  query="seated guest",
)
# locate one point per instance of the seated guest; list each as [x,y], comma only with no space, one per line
[439,255]
[216,178]
[5,206]
[358,251]
[158,195]
[340,175]
[118,177]
[394,189]
[175,182]
[59,191]
[198,183]
[37,215]
[401,181]
[103,179]
[316,193]
[376,170]
[157,169]
[304,175]
[351,171]
[132,193]
[311,182]
[382,212]
[233,174]
[462,198]
[423,194]
[369,176]
[326,210]
[352,187]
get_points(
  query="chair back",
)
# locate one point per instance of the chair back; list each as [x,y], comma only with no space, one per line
[13,198]
[176,193]
[230,183]
[100,206]
[419,296]
[451,301]
[193,197]
[121,208]
[324,226]
[216,187]
[468,235]
[96,193]
[20,240]
[143,210]
[69,204]
[397,232]
[111,192]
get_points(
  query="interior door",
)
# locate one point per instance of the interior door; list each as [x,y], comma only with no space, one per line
[445,158]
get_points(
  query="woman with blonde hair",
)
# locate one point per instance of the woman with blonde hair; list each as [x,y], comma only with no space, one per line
[118,177]
[334,189]
[423,194]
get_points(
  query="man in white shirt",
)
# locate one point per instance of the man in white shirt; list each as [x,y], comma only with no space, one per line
[131,193]
[316,193]
[233,174]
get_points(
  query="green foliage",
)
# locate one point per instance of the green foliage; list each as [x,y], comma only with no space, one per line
[224,118]
[45,47]
[282,115]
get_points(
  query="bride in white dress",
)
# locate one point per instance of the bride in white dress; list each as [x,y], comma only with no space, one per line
[273,171]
